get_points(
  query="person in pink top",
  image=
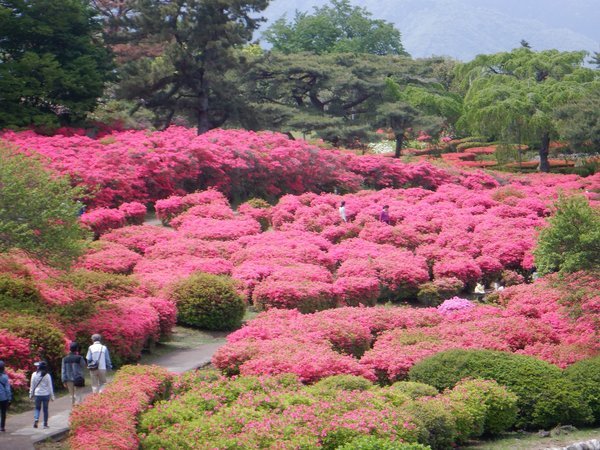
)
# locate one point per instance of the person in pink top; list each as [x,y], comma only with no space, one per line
[384,216]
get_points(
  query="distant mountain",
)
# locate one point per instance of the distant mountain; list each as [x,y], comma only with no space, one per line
[464,28]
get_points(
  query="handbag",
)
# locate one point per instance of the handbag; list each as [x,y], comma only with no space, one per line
[93,365]
[79,381]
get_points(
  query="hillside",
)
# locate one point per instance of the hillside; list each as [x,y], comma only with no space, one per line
[465,28]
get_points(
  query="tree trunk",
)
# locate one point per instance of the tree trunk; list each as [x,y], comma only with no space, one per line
[544,150]
[399,143]
[203,122]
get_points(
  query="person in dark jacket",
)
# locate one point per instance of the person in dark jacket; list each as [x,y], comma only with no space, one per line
[5,396]
[72,372]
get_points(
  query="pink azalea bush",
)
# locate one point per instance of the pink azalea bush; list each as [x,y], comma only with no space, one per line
[102,220]
[108,420]
[135,212]
[455,304]
[110,257]
[534,320]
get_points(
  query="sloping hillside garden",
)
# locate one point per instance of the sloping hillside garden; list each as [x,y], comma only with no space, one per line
[322,365]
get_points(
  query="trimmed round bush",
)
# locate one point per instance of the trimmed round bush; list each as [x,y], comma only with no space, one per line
[376,443]
[209,301]
[483,407]
[414,390]
[585,375]
[545,398]
[437,422]
[17,294]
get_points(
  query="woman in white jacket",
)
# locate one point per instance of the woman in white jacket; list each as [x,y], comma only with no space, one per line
[41,389]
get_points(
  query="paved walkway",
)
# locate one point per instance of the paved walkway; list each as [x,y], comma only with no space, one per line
[20,434]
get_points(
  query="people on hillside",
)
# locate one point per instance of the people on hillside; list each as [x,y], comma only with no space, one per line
[342,210]
[5,396]
[479,290]
[72,372]
[384,215]
[41,389]
[99,362]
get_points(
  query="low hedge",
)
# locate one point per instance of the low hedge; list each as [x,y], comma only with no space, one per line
[280,412]
[545,397]
[585,375]
[209,301]
[108,421]
[375,443]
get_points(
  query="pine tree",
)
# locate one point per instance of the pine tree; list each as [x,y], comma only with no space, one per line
[198,73]
[52,65]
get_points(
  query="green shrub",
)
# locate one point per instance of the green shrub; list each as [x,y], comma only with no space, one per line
[488,407]
[585,375]
[376,443]
[414,390]
[209,301]
[544,397]
[572,240]
[100,286]
[437,422]
[342,383]
[47,342]
[20,295]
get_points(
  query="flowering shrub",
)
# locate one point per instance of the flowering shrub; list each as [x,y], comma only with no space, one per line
[140,237]
[108,420]
[46,340]
[134,212]
[534,320]
[338,412]
[127,325]
[455,304]
[16,353]
[102,220]
[110,257]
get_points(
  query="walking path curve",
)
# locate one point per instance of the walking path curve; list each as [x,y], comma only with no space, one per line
[20,434]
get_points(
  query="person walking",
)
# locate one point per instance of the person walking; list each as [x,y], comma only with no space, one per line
[5,396]
[99,362]
[41,389]
[72,372]
[384,216]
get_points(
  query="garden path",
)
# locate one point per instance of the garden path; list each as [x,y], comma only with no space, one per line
[20,434]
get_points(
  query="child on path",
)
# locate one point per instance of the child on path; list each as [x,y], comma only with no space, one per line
[5,396]
[41,389]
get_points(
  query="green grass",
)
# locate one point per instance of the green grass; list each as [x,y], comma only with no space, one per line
[532,441]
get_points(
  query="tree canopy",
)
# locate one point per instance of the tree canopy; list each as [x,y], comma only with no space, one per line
[52,66]
[193,75]
[335,28]
[38,211]
[513,95]
[571,242]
